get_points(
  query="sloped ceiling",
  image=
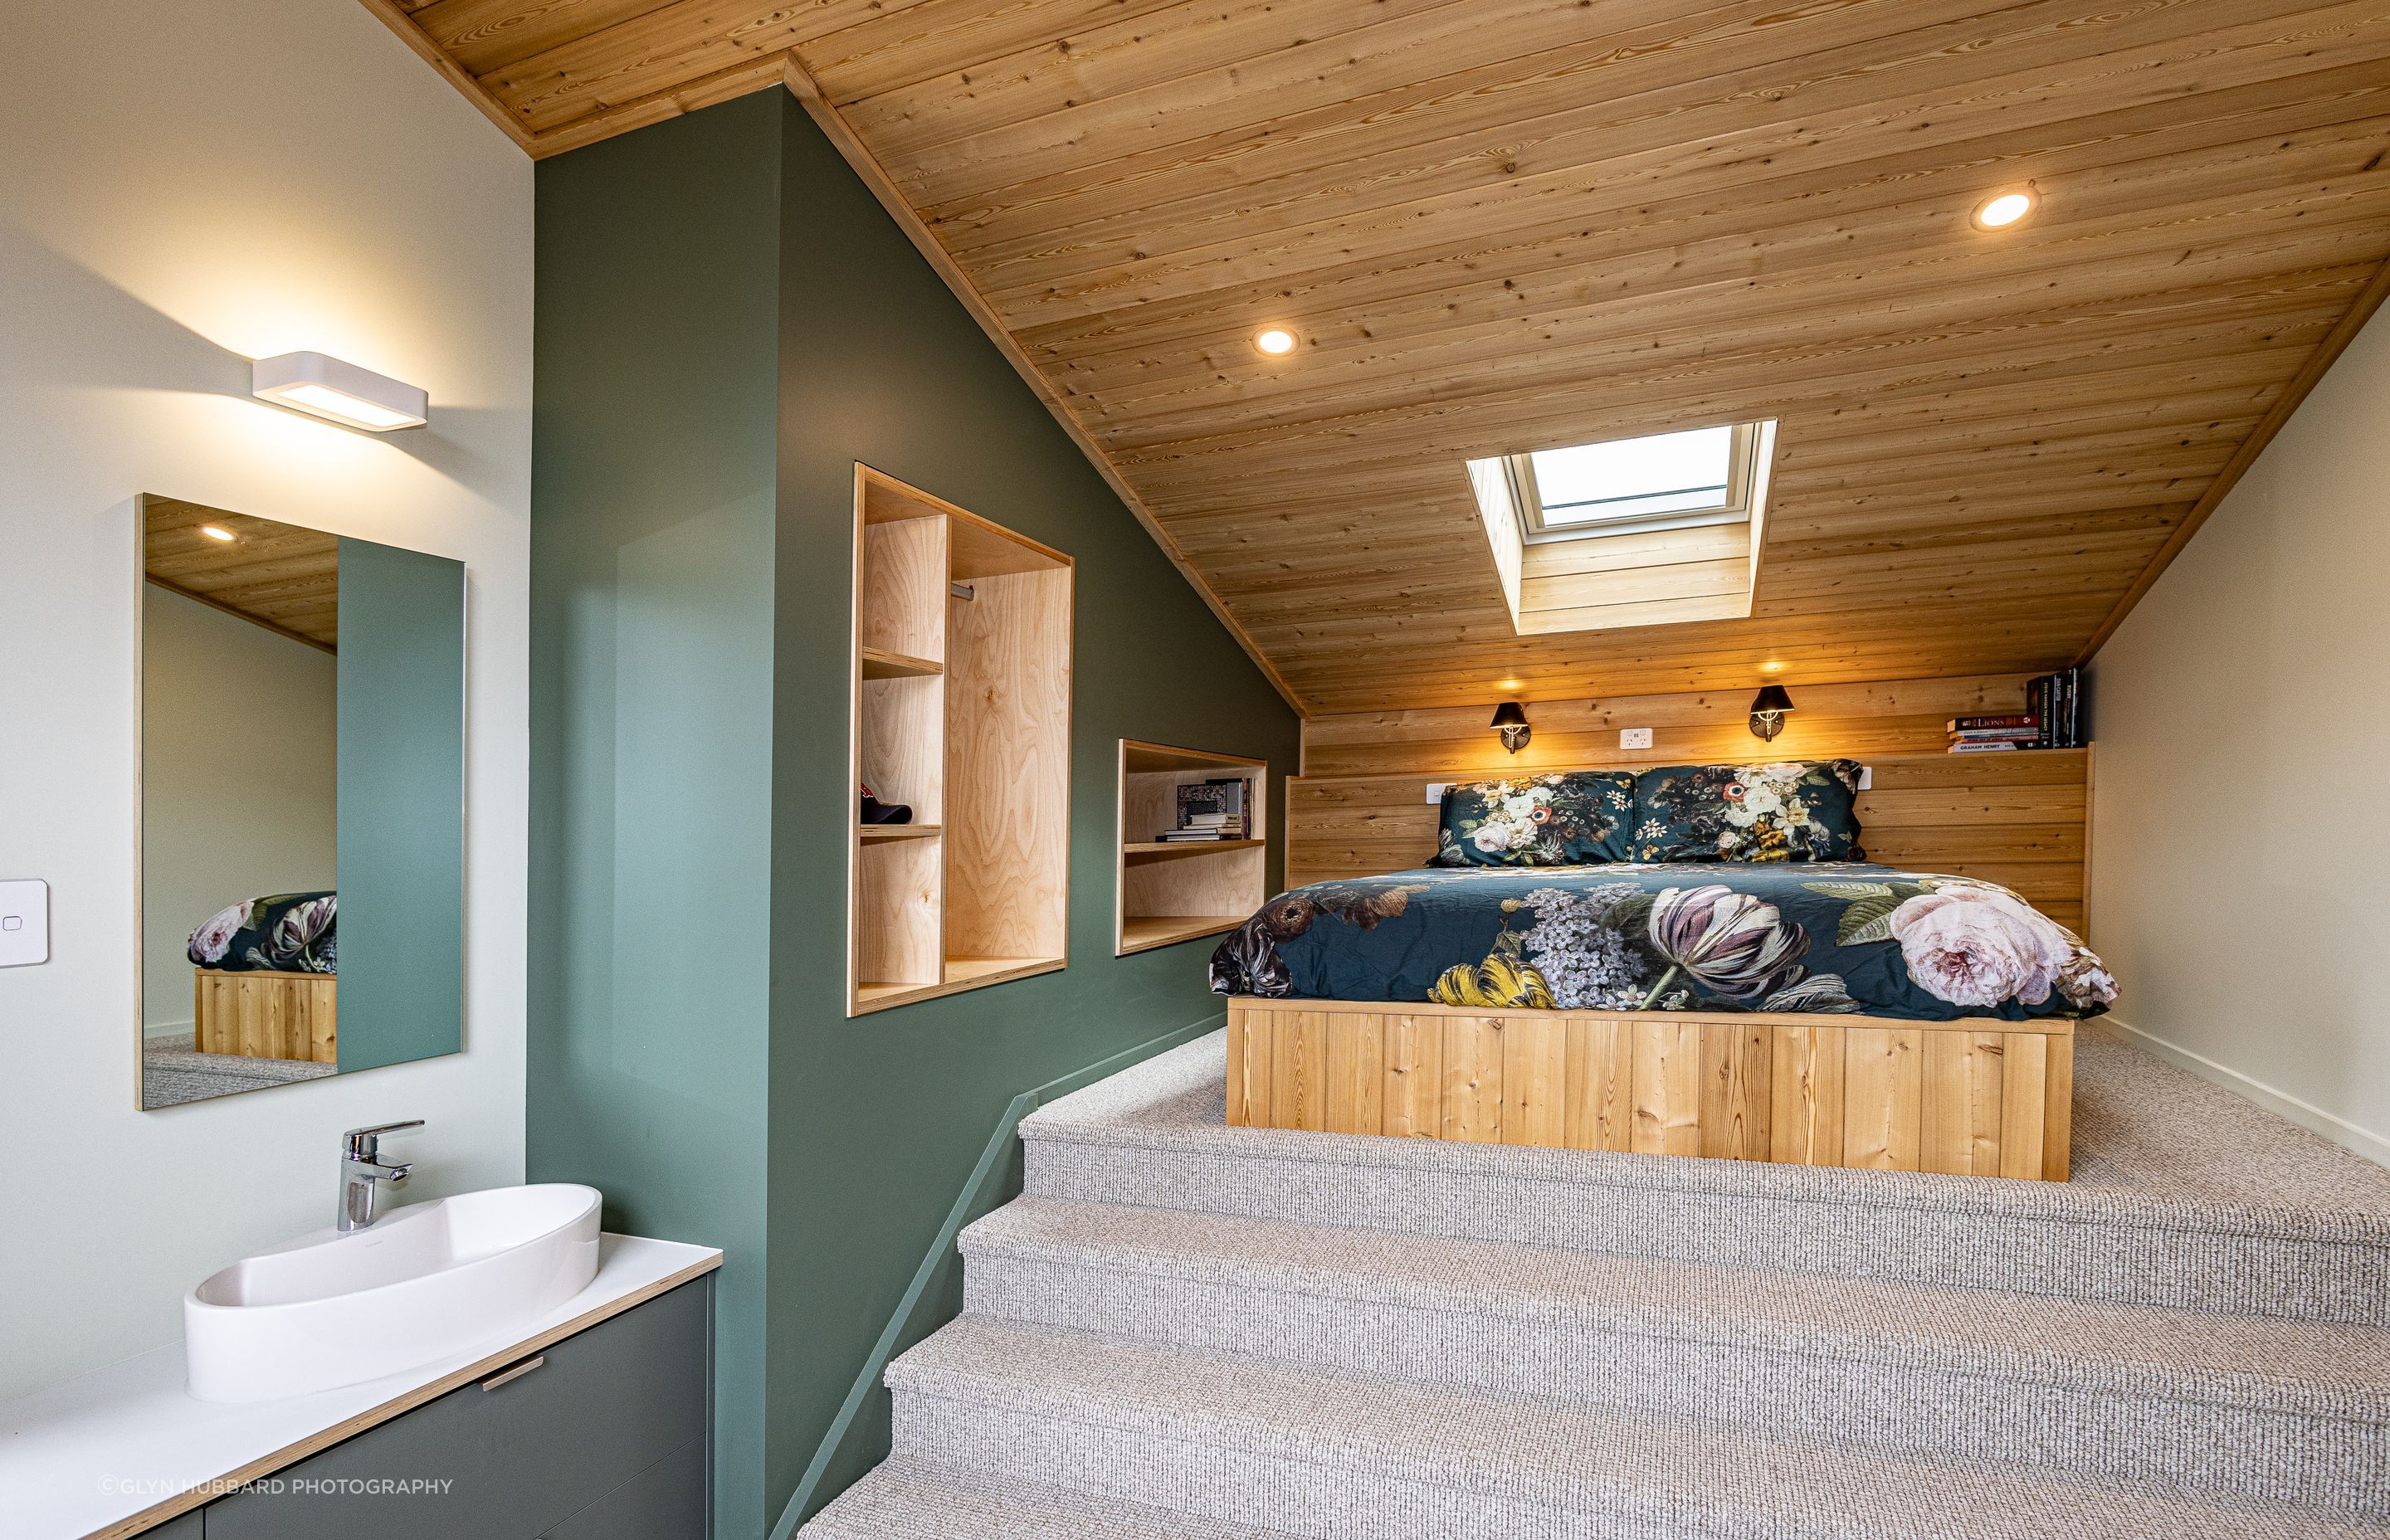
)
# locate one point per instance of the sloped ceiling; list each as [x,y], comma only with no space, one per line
[1503,224]
[281,576]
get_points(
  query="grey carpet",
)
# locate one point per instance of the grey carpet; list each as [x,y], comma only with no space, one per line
[173,1075]
[913,1499]
[2184,1196]
[1317,1454]
[1187,1329]
[2289,1410]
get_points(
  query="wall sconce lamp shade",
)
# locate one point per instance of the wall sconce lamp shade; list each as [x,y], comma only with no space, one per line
[326,387]
[1511,721]
[1768,708]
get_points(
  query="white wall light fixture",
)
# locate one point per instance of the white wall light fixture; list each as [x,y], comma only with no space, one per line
[323,386]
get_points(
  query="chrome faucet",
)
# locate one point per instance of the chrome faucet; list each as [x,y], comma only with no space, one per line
[363,1173]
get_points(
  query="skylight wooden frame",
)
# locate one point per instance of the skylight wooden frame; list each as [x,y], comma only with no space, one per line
[1674,568]
[1741,476]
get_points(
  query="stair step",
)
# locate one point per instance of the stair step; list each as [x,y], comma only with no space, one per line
[2290,1411]
[2183,1196]
[1332,1456]
[911,1499]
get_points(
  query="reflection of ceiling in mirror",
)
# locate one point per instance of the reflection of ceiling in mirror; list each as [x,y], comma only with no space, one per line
[284,578]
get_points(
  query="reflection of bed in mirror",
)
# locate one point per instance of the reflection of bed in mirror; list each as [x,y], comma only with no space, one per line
[265,1015]
[302,752]
[264,978]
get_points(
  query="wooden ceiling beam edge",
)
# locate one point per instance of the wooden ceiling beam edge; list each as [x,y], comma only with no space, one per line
[875,176]
[238,613]
[741,79]
[787,69]
[400,21]
[2311,373]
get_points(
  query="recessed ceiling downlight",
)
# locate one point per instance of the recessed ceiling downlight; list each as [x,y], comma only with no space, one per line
[215,531]
[1274,341]
[2002,210]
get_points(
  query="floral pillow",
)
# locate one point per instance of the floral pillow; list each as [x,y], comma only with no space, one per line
[282,932]
[1573,819]
[1784,812]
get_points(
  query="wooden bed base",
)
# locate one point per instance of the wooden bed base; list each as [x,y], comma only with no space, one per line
[266,1015]
[1981,1098]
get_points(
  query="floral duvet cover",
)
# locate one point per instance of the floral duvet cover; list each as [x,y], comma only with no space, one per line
[278,933]
[1836,937]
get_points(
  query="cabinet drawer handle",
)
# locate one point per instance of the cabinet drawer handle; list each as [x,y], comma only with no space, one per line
[494,1381]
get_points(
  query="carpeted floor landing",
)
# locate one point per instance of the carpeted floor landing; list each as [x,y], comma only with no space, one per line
[1185,1328]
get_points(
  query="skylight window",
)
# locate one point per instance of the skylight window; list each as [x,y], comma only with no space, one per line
[1663,530]
[1659,481]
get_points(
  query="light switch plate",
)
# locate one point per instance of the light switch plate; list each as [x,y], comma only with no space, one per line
[1436,790]
[1867,777]
[24,922]
[1635,738]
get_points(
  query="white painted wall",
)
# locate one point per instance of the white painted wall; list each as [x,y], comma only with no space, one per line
[2241,876]
[188,185]
[240,780]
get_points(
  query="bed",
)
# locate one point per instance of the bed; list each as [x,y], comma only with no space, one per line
[264,978]
[1823,1012]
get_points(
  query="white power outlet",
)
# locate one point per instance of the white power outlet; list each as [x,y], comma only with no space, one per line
[1436,790]
[24,922]
[1635,738]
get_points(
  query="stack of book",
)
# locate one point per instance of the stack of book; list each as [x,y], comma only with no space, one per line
[1211,810]
[2057,700]
[2052,719]
[1975,735]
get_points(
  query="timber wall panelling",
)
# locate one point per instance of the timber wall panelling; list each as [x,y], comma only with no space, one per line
[1897,716]
[2019,819]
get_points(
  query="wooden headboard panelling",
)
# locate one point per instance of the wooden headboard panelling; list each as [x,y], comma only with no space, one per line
[1898,716]
[2020,819]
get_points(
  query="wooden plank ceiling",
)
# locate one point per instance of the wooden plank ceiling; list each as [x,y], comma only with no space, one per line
[279,576]
[1504,225]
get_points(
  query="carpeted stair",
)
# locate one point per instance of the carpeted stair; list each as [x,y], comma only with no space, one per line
[1189,1329]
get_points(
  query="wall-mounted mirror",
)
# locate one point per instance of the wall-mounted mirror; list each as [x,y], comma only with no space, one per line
[302,803]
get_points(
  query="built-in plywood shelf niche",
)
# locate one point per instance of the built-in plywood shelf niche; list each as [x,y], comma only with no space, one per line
[1172,892]
[962,712]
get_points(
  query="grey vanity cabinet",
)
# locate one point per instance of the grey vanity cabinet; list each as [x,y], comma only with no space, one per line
[606,1438]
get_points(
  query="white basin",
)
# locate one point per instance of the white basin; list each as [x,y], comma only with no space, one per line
[426,1280]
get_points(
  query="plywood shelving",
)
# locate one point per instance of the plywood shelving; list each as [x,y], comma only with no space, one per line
[1169,891]
[962,711]
[881,664]
[1151,930]
[1164,847]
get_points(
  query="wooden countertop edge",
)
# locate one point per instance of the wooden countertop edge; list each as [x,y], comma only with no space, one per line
[266,1465]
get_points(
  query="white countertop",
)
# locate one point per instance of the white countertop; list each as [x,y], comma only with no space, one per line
[124,1443]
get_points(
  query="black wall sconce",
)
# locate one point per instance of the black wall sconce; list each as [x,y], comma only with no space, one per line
[1768,708]
[1511,722]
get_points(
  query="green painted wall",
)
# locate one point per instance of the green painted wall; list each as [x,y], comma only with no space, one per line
[651,698]
[876,1122]
[400,821]
[872,1127]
